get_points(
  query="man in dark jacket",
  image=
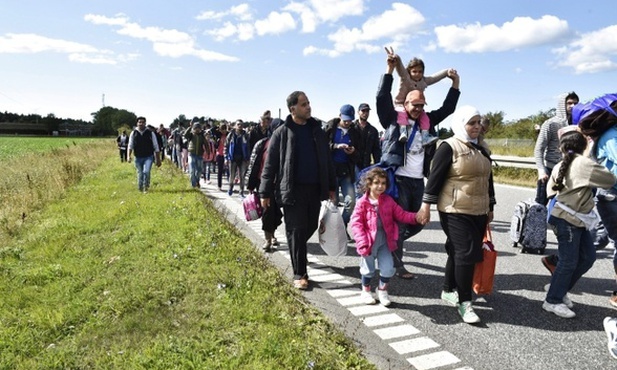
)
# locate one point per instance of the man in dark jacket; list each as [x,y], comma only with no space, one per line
[411,159]
[370,145]
[299,174]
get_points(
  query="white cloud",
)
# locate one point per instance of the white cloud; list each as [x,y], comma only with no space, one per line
[31,44]
[165,42]
[275,24]
[520,32]
[392,27]
[241,12]
[307,16]
[314,12]
[592,52]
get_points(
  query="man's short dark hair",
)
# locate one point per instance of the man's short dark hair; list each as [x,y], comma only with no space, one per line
[292,99]
[572,95]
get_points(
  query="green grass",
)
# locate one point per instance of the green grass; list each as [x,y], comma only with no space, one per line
[105,277]
[16,146]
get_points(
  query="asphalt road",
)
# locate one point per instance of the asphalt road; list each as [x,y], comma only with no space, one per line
[419,331]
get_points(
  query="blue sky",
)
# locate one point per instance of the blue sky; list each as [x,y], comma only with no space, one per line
[235,59]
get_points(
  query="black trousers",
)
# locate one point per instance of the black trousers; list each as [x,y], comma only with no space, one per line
[301,220]
[464,248]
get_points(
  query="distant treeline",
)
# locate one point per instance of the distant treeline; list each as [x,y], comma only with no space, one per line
[34,124]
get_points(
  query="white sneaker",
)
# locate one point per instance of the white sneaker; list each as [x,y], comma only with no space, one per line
[559,309]
[467,313]
[383,297]
[450,298]
[567,301]
[367,297]
[403,137]
[610,327]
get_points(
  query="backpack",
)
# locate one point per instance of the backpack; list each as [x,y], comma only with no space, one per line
[594,118]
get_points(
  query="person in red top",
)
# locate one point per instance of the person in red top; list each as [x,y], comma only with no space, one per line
[220,156]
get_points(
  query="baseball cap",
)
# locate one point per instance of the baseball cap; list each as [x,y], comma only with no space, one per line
[363,106]
[347,113]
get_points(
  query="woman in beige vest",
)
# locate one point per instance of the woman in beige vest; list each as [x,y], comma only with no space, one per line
[461,184]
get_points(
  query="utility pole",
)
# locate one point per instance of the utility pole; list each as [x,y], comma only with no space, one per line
[103,100]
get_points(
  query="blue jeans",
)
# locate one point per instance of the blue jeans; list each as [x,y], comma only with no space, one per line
[348,189]
[410,193]
[576,256]
[607,208]
[143,165]
[382,254]
[196,164]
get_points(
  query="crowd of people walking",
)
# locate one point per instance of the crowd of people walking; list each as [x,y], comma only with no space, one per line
[295,163]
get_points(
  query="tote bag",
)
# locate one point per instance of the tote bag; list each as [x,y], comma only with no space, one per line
[484,272]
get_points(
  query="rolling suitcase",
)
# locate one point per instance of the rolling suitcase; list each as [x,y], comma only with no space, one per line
[528,227]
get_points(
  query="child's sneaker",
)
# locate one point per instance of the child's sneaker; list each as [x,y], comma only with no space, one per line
[384,298]
[610,327]
[403,137]
[467,313]
[427,138]
[559,309]
[366,296]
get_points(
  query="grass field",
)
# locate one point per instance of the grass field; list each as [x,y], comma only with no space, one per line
[100,276]
[15,146]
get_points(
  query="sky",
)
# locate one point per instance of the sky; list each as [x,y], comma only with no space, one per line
[231,60]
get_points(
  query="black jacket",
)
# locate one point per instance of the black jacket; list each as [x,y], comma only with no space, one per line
[277,177]
[394,151]
[370,145]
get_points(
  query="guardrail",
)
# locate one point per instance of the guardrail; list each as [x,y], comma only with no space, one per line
[513,161]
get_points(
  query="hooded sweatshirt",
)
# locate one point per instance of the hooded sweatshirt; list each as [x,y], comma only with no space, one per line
[546,152]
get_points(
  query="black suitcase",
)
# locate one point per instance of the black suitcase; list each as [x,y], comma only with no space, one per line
[528,227]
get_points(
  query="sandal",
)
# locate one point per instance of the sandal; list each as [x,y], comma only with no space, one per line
[301,284]
[402,273]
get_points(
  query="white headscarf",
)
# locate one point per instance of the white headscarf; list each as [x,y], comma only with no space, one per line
[460,118]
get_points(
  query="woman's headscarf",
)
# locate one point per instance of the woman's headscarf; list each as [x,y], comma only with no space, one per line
[460,118]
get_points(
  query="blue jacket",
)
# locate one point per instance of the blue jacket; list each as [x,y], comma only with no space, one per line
[231,146]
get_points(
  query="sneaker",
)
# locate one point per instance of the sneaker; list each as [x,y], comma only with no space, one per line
[548,263]
[403,137]
[613,299]
[450,298]
[383,297]
[467,313]
[301,284]
[230,192]
[367,297]
[559,309]
[567,301]
[267,246]
[275,243]
[610,327]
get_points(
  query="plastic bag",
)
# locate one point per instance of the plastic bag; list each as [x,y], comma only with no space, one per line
[332,235]
[252,207]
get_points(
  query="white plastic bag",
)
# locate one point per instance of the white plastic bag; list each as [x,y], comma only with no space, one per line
[332,235]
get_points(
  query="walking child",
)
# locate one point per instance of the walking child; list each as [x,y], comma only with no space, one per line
[571,182]
[375,229]
[413,78]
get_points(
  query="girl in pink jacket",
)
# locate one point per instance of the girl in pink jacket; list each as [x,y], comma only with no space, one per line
[374,227]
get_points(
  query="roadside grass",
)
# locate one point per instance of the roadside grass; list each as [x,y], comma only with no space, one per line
[515,150]
[31,180]
[526,177]
[16,146]
[106,277]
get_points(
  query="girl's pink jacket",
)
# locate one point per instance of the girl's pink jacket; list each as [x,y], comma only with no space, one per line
[364,222]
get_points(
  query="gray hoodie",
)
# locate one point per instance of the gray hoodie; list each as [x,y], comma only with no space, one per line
[546,152]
